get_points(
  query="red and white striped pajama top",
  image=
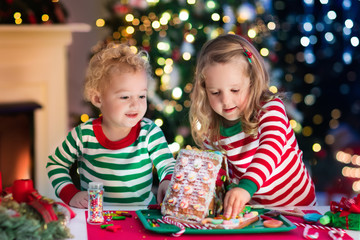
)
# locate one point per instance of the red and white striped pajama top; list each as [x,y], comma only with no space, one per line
[272,160]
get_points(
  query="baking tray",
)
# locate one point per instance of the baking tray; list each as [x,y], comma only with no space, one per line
[256,227]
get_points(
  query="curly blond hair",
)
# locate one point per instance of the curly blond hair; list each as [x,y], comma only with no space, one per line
[114,57]
[204,122]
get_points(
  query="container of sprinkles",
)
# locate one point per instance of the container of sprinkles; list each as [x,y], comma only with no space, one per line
[95,207]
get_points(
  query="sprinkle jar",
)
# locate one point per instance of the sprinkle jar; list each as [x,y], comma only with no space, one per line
[95,201]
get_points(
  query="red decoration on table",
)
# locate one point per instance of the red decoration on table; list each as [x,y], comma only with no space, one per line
[346,206]
[23,192]
[22,189]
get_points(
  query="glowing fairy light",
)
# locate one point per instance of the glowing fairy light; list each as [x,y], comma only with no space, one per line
[331,15]
[251,33]
[307,131]
[271,26]
[210,4]
[129,17]
[264,52]
[246,12]
[354,41]
[304,41]
[130,30]
[184,15]
[186,56]
[159,72]
[215,17]
[84,117]
[163,46]
[169,61]
[169,109]
[273,89]
[161,61]
[100,22]
[179,139]
[165,18]
[307,26]
[155,24]
[17,15]
[159,122]
[176,93]
[135,50]
[296,126]
[349,23]
[45,18]
[18,21]
[356,186]
[174,147]
[168,68]
[316,147]
[190,38]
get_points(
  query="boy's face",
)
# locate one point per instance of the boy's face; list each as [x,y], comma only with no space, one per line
[227,88]
[123,102]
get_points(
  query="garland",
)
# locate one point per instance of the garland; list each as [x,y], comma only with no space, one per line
[21,221]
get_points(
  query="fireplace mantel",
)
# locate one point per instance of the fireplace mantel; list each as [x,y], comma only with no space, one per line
[33,68]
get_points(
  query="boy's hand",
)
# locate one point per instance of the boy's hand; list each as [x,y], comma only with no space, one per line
[79,200]
[162,190]
[235,201]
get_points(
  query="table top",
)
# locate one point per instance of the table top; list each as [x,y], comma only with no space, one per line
[78,226]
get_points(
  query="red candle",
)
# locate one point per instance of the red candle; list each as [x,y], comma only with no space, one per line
[21,189]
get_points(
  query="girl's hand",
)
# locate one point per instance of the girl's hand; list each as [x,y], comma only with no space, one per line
[235,201]
[79,200]
[162,190]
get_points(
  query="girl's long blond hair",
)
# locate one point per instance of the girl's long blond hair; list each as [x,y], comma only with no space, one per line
[204,122]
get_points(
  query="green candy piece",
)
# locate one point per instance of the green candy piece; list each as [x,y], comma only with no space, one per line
[217,221]
[106,225]
[325,220]
[118,218]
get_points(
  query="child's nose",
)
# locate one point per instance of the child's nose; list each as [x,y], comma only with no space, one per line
[225,99]
[134,103]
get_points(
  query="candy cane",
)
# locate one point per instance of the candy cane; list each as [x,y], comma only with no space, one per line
[188,225]
[333,234]
[319,227]
[306,234]
[169,221]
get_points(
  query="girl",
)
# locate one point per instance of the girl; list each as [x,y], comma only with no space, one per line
[121,147]
[234,111]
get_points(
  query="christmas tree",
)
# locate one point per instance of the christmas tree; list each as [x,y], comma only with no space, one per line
[172,32]
[32,12]
[318,50]
[311,49]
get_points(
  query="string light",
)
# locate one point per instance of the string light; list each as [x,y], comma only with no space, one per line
[159,122]
[100,22]
[215,17]
[45,17]
[316,147]
[84,117]
[177,93]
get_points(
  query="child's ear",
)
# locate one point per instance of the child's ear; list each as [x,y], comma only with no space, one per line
[96,99]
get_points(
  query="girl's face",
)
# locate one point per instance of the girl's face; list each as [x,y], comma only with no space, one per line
[227,88]
[123,101]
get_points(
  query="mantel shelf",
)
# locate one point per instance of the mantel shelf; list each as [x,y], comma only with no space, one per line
[33,68]
[71,27]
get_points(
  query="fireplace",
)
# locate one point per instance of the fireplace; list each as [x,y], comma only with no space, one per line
[33,69]
[17,141]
